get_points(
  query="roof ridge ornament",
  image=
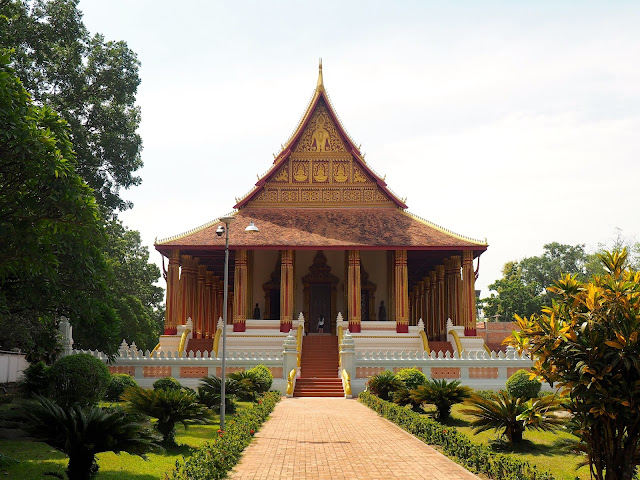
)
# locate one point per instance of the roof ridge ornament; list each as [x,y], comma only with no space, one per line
[320,87]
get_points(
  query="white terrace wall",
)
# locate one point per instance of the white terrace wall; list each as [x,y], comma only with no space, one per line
[12,364]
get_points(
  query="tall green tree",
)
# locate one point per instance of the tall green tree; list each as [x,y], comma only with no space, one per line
[138,302]
[51,262]
[90,82]
[587,342]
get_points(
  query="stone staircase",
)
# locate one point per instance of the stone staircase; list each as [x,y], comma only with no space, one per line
[319,368]
[443,347]
[200,344]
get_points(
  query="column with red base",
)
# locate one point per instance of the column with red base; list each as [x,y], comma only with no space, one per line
[354,293]
[286,290]
[401,278]
[240,292]
[172,311]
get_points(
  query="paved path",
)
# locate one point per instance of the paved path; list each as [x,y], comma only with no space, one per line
[338,439]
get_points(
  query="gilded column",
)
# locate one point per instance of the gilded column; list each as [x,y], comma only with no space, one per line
[199,321]
[468,289]
[286,290]
[209,302]
[172,310]
[354,291]
[240,292]
[440,323]
[220,302]
[432,304]
[188,287]
[448,289]
[401,282]
[456,290]
[421,301]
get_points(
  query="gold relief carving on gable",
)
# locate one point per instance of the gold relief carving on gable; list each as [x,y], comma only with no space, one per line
[331,195]
[352,195]
[301,171]
[368,195]
[358,176]
[289,195]
[310,195]
[341,172]
[320,135]
[320,172]
[282,175]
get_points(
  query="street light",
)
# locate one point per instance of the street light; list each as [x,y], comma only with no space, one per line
[219,231]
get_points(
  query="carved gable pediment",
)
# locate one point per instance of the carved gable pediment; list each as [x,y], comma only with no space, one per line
[320,135]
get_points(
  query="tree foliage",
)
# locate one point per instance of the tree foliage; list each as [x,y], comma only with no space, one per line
[90,82]
[51,262]
[587,342]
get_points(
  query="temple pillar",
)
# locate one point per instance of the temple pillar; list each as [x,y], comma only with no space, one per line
[209,306]
[440,323]
[433,305]
[456,290]
[240,292]
[448,289]
[199,322]
[172,309]
[422,307]
[468,290]
[401,283]
[287,283]
[354,291]
[188,288]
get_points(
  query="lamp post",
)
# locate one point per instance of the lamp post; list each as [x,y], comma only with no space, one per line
[219,231]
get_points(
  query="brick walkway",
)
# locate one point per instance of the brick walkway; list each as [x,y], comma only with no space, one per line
[338,439]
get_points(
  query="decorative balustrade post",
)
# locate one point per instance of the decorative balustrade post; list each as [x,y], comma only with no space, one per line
[348,353]
[66,331]
[290,360]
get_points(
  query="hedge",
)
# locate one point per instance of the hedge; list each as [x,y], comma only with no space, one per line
[214,459]
[457,446]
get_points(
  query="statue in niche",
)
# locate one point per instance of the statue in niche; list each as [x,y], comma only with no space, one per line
[256,312]
[320,136]
[382,312]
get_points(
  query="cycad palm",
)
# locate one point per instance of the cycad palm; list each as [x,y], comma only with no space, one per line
[513,414]
[82,433]
[169,407]
[385,384]
[442,394]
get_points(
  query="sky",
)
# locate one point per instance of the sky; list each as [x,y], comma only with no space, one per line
[518,122]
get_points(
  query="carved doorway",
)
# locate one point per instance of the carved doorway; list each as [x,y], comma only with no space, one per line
[272,293]
[320,295]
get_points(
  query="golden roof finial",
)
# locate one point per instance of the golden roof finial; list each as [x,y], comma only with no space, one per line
[320,86]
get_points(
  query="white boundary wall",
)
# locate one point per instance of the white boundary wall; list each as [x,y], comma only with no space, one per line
[12,364]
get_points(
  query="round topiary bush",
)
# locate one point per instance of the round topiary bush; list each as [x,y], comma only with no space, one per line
[412,378]
[167,383]
[265,379]
[117,385]
[520,385]
[80,379]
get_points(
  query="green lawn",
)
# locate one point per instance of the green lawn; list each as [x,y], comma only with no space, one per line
[547,450]
[36,458]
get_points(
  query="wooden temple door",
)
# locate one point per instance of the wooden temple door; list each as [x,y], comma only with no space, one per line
[320,306]
[320,295]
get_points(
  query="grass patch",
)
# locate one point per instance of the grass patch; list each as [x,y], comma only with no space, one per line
[34,459]
[547,450]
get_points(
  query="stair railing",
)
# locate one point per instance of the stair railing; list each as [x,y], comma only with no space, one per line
[216,340]
[299,342]
[183,340]
[425,342]
[455,336]
[346,383]
[291,382]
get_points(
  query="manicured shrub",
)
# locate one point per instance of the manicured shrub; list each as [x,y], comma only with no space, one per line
[167,383]
[442,394]
[411,377]
[81,433]
[520,385]
[118,383]
[213,460]
[169,407]
[475,457]
[385,384]
[35,380]
[264,376]
[80,379]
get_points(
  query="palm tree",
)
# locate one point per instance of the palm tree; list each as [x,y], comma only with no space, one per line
[81,433]
[514,414]
[442,394]
[169,407]
[385,384]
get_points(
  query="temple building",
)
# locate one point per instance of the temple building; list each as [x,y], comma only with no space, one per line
[333,239]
